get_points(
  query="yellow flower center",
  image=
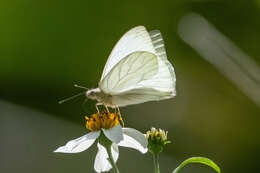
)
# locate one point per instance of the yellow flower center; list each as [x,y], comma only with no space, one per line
[105,120]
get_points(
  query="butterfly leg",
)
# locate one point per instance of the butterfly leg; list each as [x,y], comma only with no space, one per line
[98,104]
[107,108]
[121,119]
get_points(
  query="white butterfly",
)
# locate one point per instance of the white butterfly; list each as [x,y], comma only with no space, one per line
[136,71]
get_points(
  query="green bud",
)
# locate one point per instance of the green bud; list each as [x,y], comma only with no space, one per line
[157,139]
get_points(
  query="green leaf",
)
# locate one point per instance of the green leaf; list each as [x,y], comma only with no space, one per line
[202,160]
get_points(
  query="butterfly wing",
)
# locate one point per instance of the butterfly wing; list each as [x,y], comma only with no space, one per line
[133,89]
[139,95]
[129,72]
[136,39]
[165,80]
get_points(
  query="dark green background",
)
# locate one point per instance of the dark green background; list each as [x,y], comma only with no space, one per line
[47,46]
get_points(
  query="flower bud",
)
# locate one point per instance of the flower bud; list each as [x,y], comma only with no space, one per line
[157,139]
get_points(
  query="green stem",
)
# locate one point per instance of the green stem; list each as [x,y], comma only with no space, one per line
[103,140]
[111,160]
[156,163]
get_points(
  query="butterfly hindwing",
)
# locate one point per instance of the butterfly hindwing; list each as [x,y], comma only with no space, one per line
[139,95]
[128,73]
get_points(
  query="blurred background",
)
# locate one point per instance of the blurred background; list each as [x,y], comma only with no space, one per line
[47,46]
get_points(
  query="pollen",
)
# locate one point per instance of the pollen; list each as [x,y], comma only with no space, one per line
[105,120]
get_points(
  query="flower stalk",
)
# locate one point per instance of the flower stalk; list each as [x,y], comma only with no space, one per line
[156,162]
[108,144]
[111,160]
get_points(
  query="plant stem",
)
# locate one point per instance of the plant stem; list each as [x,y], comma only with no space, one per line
[111,160]
[108,144]
[156,162]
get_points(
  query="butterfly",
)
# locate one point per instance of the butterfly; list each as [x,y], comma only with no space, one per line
[136,71]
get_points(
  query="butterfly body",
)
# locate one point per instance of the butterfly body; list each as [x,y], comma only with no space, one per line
[100,96]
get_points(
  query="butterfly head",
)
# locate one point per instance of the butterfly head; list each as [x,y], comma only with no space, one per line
[92,93]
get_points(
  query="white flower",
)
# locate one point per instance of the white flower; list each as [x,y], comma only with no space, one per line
[126,137]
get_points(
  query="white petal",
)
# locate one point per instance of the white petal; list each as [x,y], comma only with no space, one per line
[134,139]
[101,162]
[114,134]
[80,144]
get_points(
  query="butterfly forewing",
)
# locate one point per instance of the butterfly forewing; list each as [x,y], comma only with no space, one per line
[158,43]
[137,39]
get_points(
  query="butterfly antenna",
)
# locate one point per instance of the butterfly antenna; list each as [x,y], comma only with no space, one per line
[70,98]
[78,86]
